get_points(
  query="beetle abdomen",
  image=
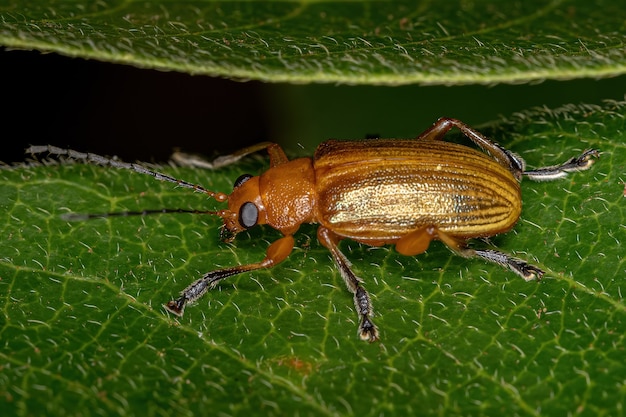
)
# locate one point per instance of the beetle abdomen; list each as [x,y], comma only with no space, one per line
[380,190]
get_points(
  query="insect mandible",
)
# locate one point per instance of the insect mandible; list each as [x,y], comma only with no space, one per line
[376,192]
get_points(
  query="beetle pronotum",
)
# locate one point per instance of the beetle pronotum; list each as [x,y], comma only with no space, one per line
[376,192]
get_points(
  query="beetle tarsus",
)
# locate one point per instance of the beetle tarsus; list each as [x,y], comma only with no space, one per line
[585,160]
[520,267]
[363,304]
[198,288]
[524,269]
[577,163]
[530,272]
[177,306]
[368,330]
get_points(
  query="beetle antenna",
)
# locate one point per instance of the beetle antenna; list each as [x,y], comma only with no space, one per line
[104,161]
[88,216]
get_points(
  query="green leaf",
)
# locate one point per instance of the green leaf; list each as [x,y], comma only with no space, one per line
[353,42]
[82,330]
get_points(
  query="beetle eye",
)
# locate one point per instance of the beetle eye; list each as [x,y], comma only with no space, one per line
[248,215]
[242,178]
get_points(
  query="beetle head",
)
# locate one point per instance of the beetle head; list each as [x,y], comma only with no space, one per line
[245,208]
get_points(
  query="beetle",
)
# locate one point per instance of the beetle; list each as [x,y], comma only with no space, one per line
[376,192]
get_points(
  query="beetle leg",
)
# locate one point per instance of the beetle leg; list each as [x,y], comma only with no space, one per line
[506,158]
[276,252]
[417,241]
[520,267]
[577,163]
[277,155]
[362,302]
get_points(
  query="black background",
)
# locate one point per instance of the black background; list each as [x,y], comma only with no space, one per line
[117,109]
[142,114]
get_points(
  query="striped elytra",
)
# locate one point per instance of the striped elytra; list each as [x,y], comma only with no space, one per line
[382,189]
